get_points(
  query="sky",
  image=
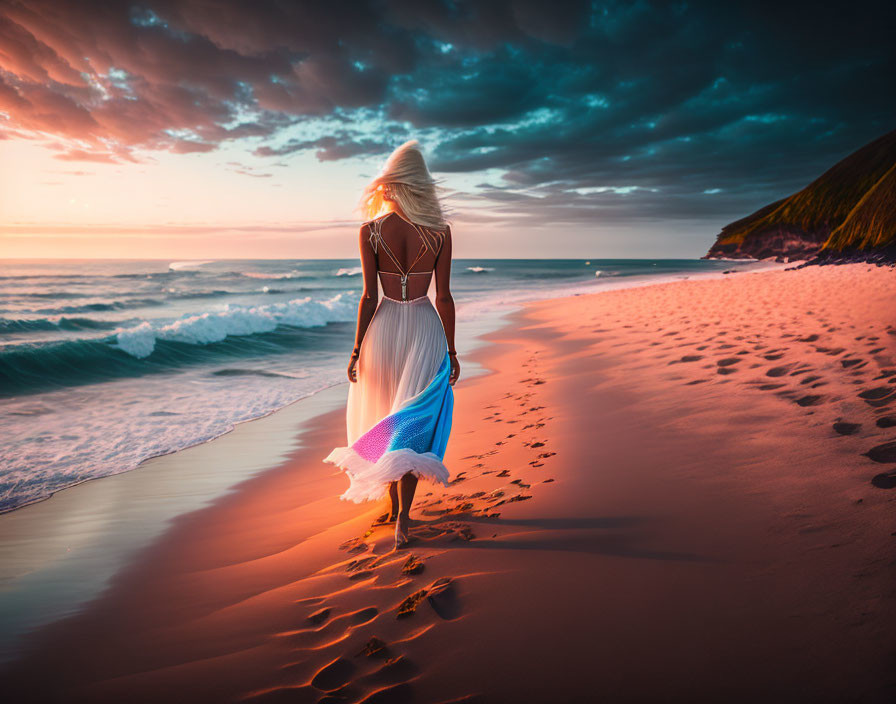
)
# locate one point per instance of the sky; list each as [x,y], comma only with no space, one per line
[197,129]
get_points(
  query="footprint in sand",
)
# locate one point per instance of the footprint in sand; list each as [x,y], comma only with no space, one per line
[687,358]
[886,422]
[884,481]
[333,676]
[728,361]
[879,396]
[398,669]
[409,605]
[779,371]
[364,615]
[354,546]
[885,453]
[413,565]
[809,400]
[319,616]
[843,428]
[443,598]
[853,363]
[374,648]
[441,595]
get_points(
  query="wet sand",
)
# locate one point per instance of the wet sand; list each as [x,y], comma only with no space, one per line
[676,492]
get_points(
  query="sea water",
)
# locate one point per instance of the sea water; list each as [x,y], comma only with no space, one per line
[105,363]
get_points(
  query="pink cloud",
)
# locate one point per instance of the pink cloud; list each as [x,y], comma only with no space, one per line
[100,73]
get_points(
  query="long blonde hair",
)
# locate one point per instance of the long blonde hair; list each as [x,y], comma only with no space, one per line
[406,181]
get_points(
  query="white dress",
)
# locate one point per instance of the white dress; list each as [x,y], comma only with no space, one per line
[398,414]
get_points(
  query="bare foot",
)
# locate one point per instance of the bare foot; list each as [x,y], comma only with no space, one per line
[402,526]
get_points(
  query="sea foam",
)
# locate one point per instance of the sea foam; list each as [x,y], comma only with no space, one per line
[205,328]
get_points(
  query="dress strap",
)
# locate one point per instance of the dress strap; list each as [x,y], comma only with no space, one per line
[375,233]
[432,239]
[432,243]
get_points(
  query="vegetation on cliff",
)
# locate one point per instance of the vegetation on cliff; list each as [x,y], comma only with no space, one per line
[850,208]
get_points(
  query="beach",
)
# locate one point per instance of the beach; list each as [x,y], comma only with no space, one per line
[681,491]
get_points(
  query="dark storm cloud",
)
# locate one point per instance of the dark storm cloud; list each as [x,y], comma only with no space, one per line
[581,110]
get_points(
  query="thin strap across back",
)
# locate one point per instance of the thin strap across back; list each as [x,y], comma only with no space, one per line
[432,242]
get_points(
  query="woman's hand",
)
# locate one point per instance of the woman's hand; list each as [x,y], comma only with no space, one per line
[352,371]
[455,371]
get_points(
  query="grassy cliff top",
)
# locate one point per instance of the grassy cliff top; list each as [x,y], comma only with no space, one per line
[851,205]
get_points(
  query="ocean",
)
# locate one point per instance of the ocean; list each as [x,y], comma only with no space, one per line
[106,363]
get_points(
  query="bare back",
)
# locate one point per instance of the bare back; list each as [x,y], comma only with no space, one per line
[406,255]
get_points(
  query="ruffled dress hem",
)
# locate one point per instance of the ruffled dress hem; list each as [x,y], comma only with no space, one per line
[370,480]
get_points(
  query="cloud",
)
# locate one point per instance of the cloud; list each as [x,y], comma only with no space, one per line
[82,155]
[654,102]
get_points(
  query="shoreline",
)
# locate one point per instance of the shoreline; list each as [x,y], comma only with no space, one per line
[33,533]
[506,308]
[35,536]
[222,600]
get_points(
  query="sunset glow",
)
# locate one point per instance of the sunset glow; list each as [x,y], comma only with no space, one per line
[144,130]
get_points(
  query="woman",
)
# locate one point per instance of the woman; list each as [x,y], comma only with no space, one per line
[404,365]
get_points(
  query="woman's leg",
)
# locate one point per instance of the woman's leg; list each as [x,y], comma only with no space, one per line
[393,496]
[407,489]
[408,485]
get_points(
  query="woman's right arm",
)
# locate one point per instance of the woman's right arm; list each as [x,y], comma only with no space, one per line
[369,298]
[445,302]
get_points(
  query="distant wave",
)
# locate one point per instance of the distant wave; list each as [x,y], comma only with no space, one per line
[173,293]
[46,294]
[263,275]
[100,307]
[181,266]
[268,289]
[350,271]
[149,274]
[78,279]
[10,325]
[480,269]
[144,349]
[255,372]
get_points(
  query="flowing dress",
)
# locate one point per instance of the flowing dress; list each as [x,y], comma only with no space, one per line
[399,411]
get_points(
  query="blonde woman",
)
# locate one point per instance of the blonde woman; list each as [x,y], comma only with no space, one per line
[404,364]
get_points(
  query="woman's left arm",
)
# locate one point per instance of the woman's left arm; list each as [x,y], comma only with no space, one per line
[370,294]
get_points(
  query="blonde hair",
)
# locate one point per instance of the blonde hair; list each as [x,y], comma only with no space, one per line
[406,181]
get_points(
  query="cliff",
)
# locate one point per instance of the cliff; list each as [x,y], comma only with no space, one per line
[848,211]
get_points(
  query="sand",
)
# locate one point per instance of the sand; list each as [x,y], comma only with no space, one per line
[676,492]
